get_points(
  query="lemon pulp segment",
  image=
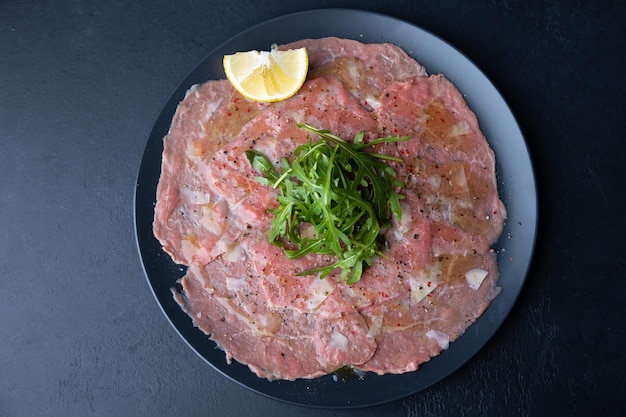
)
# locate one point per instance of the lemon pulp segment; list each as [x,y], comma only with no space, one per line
[267,76]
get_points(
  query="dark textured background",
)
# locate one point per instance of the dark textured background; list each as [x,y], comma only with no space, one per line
[82,82]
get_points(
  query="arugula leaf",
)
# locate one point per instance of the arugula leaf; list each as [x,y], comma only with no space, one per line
[334,199]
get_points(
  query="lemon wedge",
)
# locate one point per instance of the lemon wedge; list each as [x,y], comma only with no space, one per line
[267,76]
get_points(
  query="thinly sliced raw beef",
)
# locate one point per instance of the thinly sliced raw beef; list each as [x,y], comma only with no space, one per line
[189,222]
[437,274]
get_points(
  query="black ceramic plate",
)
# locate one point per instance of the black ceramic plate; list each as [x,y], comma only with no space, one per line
[515,181]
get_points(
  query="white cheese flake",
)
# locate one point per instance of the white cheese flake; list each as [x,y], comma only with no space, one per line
[475,277]
[425,283]
[235,284]
[233,254]
[338,341]
[442,339]
[376,327]
[196,196]
[210,221]
[320,290]
[419,289]
[188,248]
[459,129]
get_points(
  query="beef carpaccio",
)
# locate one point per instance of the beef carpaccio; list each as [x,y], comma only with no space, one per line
[438,273]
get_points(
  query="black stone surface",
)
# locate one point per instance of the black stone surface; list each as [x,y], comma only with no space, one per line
[81,84]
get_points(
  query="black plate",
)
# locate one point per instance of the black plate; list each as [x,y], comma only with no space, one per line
[516,183]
